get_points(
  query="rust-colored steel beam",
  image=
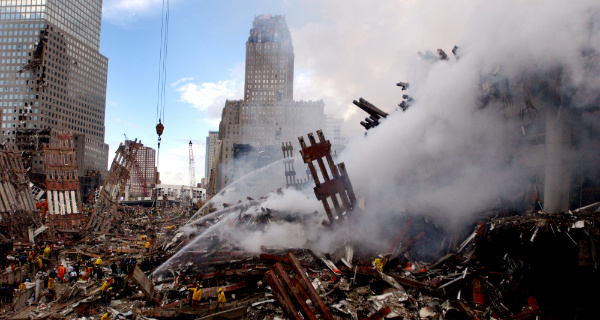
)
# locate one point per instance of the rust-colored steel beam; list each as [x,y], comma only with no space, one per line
[285,280]
[308,155]
[307,285]
[281,296]
[337,184]
[324,172]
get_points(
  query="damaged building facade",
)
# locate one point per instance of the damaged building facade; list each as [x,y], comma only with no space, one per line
[53,76]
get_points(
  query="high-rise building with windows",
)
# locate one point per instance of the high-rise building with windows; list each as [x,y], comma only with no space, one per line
[252,130]
[211,151]
[52,74]
[269,60]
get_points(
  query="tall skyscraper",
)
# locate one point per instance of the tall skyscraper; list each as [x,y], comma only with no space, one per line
[52,74]
[269,60]
[211,150]
[254,128]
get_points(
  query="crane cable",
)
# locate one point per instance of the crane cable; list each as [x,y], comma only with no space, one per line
[162,74]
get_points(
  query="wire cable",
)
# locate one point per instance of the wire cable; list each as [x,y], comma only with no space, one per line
[162,74]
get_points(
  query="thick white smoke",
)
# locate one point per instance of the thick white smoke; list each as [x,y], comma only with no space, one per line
[445,156]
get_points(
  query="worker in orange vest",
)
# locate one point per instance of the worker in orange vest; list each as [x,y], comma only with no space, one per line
[61,272]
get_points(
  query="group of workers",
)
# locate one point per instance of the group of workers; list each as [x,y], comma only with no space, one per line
[196,295]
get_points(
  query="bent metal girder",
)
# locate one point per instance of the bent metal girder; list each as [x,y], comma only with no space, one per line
[336,185]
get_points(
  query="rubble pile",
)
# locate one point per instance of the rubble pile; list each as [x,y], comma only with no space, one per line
[256,259]
[512,267]
[501,271]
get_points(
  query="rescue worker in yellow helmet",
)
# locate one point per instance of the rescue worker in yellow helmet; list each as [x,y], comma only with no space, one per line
[196,295]
[47,251]
[147,246]
[104,286]
[221,297]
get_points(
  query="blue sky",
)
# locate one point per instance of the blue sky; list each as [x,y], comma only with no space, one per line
[343,50]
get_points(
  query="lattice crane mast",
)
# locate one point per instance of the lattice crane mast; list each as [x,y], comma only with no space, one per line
[192,168]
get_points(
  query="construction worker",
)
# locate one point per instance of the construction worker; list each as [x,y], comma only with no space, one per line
[47,251]
[40,262]
[104,286]
[221,297]
[143,237]
[147,246]
[61,272]
[51,287]
[196,295]
[104,292]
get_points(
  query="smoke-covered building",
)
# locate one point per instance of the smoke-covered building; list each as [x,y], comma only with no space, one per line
[268,115]
[557,132]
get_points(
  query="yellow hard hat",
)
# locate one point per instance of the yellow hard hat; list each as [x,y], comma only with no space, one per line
[220,289]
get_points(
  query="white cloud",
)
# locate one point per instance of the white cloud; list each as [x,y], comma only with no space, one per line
[180,81]
[204,95]
[210,96]
[119,11]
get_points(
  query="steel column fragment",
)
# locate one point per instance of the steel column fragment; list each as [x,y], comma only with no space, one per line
[4,199]
[2,207]
[56,202]
[281,296]
[307,285]
[50,203]
[308,154]
[288,163]
[67,202]
[73,202]
[338,185]
[285,280]
[321,164]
